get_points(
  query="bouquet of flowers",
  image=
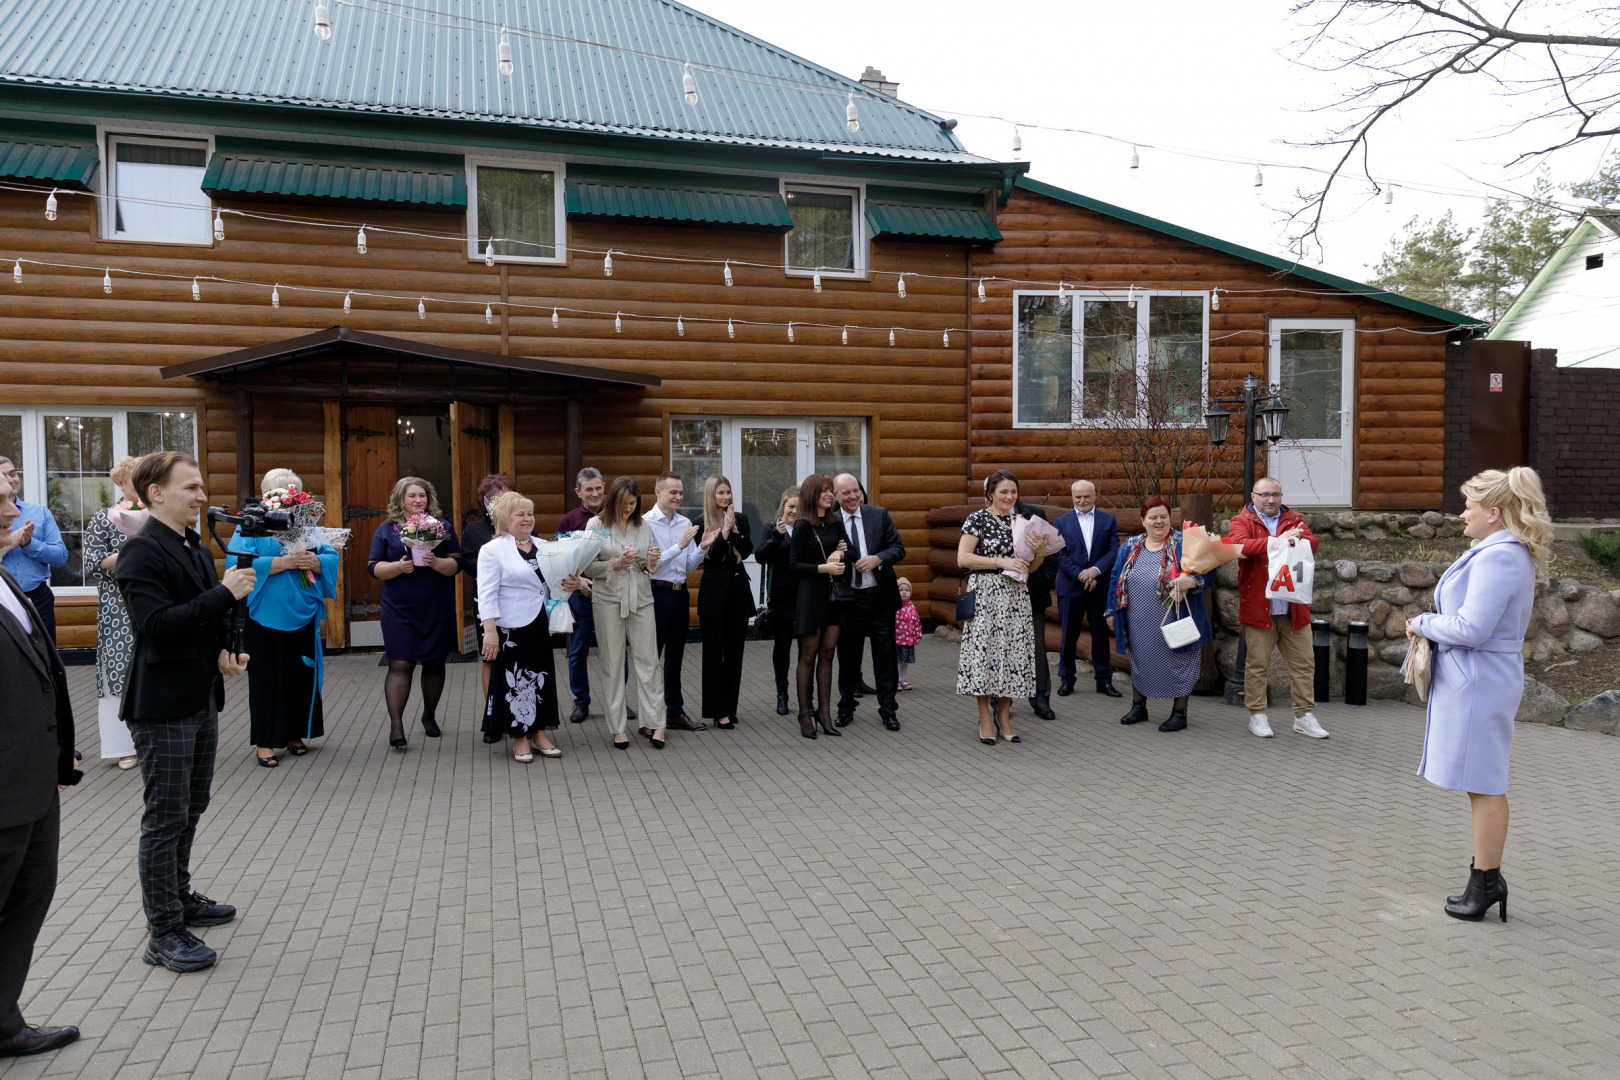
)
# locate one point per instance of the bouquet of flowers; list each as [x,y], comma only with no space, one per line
[569,554]
[1026,529]
[307,533]
[1201,552]
[420,534]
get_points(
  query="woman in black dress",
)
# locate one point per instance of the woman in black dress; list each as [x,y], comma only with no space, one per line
[478,529]
[418,605]
[817,558]
[725,601]
[774,555]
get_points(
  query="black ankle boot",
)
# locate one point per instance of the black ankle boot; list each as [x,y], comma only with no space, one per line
[1137,714]
[1459,897]
[1177,721]
[1485,889]
[781,703]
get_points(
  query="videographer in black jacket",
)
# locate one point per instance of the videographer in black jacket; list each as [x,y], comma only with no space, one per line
[36,731]
[180,609]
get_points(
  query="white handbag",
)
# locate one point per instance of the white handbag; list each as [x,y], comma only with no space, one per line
[1183,631]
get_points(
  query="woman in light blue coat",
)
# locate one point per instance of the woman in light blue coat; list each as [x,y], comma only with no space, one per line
[1482,609]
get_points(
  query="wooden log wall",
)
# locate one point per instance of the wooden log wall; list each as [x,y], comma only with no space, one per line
[66,342]
[1399,424]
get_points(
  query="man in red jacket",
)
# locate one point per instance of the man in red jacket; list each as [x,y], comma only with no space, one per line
[1273,623]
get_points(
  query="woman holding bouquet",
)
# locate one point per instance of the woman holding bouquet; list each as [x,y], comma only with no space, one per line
[283,630]
[512,604]
[115,637]
[1149,589]
[622,605]
[414,554]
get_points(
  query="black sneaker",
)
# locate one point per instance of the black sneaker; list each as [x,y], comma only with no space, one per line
[201,911]
[179,951]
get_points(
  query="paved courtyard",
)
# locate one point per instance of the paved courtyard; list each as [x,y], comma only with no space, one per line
[1098,901]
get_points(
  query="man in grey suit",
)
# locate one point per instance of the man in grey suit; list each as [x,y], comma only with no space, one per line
[36,727]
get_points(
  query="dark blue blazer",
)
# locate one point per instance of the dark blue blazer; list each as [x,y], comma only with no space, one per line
[1074,557]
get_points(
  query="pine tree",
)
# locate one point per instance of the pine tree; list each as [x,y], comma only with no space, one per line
[1514,243]
[1604,188]
[1428,262]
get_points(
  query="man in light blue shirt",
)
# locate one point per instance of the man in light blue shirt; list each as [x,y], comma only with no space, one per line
[32,550]
[673,535]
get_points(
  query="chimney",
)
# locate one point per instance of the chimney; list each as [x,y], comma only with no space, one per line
[874,78]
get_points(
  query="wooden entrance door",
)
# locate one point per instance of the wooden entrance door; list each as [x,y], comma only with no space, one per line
[370,467]
[1499,413]
[472,457]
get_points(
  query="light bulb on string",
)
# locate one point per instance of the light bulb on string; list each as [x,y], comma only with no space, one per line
[275,296]
[196,290]
[503,53]
[348,299]
[981,290]
[219,227]
[421,308]
[731,331]
[1389,194]
[489,314]
[360,241]
[323,21]
[1136,159]
[901,286]
[618,323]
[1130,296]
[489,252]
[1259,180]
[790,332]
[554,318]
[846,335]
[851,117]
[1215,299]
[106,281]
[16,272]
[689,85]
[1018,141]
[50,206]
[680,327]
[891,335]
[815,281]
[947,339]
[607,264]
[728,272]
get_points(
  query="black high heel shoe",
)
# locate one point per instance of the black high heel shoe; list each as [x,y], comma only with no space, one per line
[807,727]
[1485,890]
[1137,714]
[826,728]
[398,742]
[430,727]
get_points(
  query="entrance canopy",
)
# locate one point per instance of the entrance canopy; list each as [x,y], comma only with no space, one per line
[355,365]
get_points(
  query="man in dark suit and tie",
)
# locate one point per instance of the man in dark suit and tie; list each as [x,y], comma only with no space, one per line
[1090,539]
[874,547]
[36,730]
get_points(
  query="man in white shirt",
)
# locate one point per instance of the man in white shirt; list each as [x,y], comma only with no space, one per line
[1085,565]
[874,544]
[673,535]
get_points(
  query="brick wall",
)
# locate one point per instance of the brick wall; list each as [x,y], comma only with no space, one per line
[1574,436]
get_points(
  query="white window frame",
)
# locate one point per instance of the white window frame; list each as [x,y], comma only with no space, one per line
[860,240]
[1078,297]
[109,182]
[33,440]
[559,215]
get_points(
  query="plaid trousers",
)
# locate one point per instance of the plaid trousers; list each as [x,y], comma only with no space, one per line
[177,766]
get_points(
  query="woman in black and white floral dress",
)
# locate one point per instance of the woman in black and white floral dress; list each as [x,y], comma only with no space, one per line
[115,637]
[998,642]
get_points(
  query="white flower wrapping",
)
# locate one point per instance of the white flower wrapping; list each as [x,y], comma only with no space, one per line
[560,558]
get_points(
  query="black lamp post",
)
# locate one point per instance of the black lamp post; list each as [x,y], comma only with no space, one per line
[1259,422]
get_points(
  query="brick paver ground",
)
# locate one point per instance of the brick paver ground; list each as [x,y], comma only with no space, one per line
[1098,901]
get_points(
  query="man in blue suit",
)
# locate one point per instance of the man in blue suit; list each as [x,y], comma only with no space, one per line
[1090,541]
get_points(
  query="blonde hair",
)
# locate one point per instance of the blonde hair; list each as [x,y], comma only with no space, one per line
[712,517]
[396,498]
[503,506]
[1518,495]
[787,493]
[276,478]
[123,472]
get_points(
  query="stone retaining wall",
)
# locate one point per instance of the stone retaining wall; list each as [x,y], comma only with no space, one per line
[1350,525]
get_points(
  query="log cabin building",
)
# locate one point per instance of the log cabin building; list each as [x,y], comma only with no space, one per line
[657,242]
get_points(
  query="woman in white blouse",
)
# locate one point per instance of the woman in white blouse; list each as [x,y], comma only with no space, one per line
[512,601]
[621,599]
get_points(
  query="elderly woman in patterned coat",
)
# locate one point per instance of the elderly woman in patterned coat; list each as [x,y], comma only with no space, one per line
[115,637]
[1482,609]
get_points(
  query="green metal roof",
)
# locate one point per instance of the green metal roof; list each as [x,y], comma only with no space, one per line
[250,167]
[1289,266]
[60,153]
[933,215]
[668,195]
[602,66]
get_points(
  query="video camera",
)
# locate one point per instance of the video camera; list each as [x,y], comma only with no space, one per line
[253,521]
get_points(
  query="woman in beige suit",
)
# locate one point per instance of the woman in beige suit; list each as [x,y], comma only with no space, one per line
[622,602]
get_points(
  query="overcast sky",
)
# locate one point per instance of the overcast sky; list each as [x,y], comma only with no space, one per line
[1206,76]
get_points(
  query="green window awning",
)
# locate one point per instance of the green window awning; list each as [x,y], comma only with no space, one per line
[671,195]
[346,174]
[56,153]
[916,214]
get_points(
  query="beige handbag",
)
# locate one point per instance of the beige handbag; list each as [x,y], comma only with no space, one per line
[1419,666]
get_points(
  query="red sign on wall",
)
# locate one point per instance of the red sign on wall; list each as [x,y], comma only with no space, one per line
[1496,382]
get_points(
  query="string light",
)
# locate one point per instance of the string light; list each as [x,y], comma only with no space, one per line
[1136,159]
[503,54]
[851,117]
[1389,194]
[689,85]
[360,241]
[1130,297]
[618,323]
[50,206]
[891,335]
[1214,299]
[947,339]
[275,296]
[489,315]
[16,272]
[196,290]
[815,281]
[421,308]
[1259,180]
[981,290]
[1018,141]
[219,227]
[348,298]
[323,21]
[489,252]
[790,331]
[607,264]
[846,335]
[728,272]
[554,318]
[731,331]
[106,281]
[680,327]
[901,283]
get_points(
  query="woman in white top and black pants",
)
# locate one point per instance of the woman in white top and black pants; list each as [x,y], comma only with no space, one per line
[522,697]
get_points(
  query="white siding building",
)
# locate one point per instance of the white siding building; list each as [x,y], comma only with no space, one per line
[1573,304]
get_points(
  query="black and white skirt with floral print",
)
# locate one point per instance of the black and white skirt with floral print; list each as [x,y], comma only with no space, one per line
[522,681]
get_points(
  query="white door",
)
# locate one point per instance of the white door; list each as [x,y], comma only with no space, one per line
[1313,360]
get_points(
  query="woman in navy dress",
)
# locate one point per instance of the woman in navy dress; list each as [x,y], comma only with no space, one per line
[418,606]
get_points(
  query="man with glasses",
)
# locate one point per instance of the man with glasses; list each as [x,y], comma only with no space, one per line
[1269,624]
[1090,541]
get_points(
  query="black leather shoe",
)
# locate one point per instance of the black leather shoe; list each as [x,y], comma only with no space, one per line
[684,723]
[1042,709]
[1137,714]
[845,719]
[37,1040]
[201,911]
[430,728]
[1107,690]
[1065,688]
[629,713]
[781,703]
[864,689]
[892,723]
[1459,897]
[1485,890]
[179,951]
[491,738]
[579,714]
[1177,721]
